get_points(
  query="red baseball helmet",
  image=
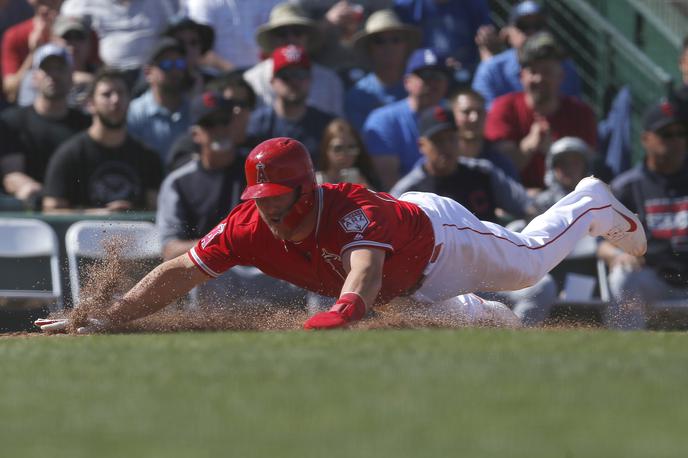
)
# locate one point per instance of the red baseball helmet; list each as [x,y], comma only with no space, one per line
[278,166]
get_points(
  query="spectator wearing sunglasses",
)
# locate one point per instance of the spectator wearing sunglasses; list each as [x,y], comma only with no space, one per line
[242,99]
[75,35]
[656,190]
[290,115]
[200,193]
[161,114]
[289,25]
[385,44]
[500,74]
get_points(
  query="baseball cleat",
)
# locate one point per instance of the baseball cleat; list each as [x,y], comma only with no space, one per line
[627,232]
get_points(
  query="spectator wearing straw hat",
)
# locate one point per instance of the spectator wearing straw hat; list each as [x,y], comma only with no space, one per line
[289,25]
[386,43]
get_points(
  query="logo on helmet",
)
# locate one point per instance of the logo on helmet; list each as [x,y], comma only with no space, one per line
[261,177]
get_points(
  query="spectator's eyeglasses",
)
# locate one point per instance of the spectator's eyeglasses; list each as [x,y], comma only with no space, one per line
[668,135]
[167,65]
[349,150]
[74,36]
[294,73]
[431,74]
[286,32]
[530,26]
[381,40]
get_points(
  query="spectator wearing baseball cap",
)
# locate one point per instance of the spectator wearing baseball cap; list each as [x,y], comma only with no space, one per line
[475,183]
[239,96]
[656,189]
[391,132]
[524,124]
[75,35]
[290,114]
[39,129]
[161,114]
[289,25]
[385,44]
[501,74]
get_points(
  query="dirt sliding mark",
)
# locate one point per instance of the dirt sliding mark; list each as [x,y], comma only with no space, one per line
[107,279]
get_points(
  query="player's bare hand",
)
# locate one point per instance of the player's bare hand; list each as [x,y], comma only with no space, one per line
[63,325]
[627,262]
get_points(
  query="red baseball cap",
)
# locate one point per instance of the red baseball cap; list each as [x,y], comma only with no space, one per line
[288,56]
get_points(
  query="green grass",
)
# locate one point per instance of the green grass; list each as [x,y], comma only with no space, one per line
[422,393]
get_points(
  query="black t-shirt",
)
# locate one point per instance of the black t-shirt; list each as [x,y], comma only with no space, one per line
[36,138]
[89,174]
[661,202]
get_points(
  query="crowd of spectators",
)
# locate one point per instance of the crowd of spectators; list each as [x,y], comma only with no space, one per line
[109,106]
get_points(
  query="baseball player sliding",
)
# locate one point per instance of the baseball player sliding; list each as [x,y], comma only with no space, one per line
[368,248]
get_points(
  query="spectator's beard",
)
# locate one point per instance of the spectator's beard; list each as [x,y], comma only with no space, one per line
[111,123]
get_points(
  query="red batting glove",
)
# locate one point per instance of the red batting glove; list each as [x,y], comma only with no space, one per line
[349,307]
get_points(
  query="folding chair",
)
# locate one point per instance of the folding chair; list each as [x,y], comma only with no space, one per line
[23,242]
[87,239]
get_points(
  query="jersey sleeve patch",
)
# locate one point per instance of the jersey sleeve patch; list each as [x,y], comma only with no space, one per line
[219,229]
[355,221]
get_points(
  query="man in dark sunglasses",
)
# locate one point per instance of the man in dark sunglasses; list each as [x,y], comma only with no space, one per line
[657,190]
[161,114]
[501,74]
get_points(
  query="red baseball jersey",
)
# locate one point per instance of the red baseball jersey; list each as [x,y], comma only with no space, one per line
[348,216]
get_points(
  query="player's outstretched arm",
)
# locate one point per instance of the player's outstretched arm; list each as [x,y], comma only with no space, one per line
[361,287]
[164,284]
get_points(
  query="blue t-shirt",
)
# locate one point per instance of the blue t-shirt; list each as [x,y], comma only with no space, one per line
[500,75]
[449,28]
[368,94]
[155,126]
[393,130]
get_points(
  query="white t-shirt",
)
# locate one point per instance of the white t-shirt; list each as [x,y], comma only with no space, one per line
[235,23]
[126,30]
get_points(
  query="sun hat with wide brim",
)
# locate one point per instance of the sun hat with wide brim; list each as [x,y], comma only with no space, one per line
[386,21]
[285,15]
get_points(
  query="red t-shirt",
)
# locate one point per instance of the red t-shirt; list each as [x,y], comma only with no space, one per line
[15,46]
[348,216]
[510,118]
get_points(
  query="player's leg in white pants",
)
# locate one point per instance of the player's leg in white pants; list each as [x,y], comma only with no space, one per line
[482,256]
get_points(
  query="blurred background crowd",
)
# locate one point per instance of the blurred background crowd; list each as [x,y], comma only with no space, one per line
[152,105]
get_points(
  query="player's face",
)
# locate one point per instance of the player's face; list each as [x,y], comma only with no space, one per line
[469,113]
[273,210]
[441,152]
[110,102]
